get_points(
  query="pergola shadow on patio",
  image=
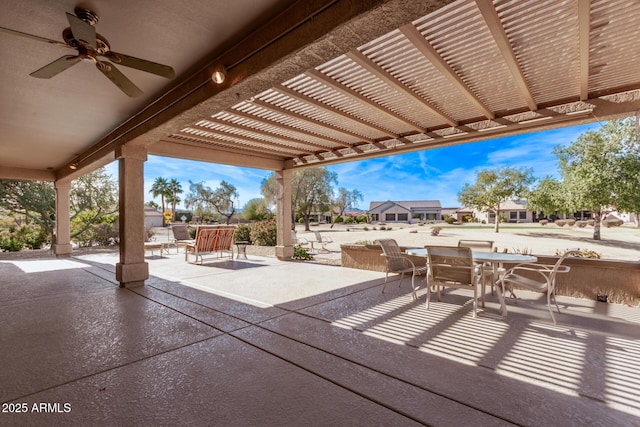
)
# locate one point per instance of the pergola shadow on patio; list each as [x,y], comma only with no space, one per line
[340,353]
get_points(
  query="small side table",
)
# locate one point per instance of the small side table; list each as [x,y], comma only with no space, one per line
[153,246]
[242,250]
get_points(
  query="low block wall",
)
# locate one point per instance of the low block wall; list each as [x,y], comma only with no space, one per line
[588,278]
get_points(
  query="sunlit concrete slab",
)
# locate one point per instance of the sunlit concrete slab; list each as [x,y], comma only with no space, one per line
[338,353]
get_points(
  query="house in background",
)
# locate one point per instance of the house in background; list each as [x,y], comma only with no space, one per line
[511,210]
[405,211]
[152,217]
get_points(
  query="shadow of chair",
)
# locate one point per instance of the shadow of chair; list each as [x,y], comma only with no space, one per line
[538,278]
[181,236]
[298,241]
[397,262]
[453,267]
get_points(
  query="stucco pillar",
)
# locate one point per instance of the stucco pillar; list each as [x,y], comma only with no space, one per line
[62,245]
[284,248]
[132,270]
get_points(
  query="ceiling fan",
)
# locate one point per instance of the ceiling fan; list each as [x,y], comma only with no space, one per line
[82,36]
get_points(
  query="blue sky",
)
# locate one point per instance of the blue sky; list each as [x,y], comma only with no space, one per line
[437,174]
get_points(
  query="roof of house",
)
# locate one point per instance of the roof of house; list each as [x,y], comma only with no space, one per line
[408,204]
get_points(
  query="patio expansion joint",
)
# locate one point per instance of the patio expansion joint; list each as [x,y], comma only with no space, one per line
[418,386]
[114,368]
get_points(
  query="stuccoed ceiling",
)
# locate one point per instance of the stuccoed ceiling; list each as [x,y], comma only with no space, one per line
[323,82]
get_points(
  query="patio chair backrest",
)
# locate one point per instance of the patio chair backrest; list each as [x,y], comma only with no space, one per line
[556,266]
[393,254]
[216,238]
[180,232]
[318,236]
[451,264]
[484,245]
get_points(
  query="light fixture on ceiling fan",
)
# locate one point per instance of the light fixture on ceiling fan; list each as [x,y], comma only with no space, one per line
[82,36]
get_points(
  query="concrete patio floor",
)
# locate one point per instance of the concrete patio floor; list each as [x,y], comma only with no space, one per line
[263,342]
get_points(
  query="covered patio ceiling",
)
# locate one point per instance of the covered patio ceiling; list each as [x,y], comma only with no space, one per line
[372,78]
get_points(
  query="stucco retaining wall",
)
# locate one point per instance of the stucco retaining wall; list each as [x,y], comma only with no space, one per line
[588,278]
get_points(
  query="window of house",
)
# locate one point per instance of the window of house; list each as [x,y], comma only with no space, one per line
[403,217]
[389,217]
[513,215]
[523,215]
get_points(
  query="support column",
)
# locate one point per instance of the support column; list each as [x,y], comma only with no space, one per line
[62,245]
[132,270]
[284,248]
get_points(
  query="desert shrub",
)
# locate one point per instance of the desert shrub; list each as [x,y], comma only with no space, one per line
[362,219]
[581,224]
[388,228]
[544,222]
[612,223]
[242,234]
[363,242]
[561,222]
[301,253]
[338,219]
[10,243]
[413,231]
[435,231]
[374,228]
[300,220]
[383,227]
[584,253]
[349,220]
[263,233]
[32,236]
[365,228]
[591,222]
[449,219]
[524,251]
[571,222]
[483,222]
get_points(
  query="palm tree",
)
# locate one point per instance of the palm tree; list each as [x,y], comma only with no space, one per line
[174,188]
[160,188]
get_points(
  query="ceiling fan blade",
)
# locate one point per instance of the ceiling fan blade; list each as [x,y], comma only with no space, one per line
[119,79]
[56,67]
[33,37]
[141,64]
[82,31]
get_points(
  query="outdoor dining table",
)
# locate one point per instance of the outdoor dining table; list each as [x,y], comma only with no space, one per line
[496,259]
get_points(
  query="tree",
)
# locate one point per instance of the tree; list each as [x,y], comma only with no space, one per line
[628,181]
[346,200]
[160,188]
[549,197]
[494,187]
[311,191]
[598,170]
[174,187]
[256,209]
[93,196]
[221,200]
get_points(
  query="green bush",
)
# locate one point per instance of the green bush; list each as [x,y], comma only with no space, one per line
[32,236]
[382,227]
[301,253]
[338,219]
[349,220]
[365,228]
[242,234]
[362,219]
[10,243]
[263,233]
[449,219]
